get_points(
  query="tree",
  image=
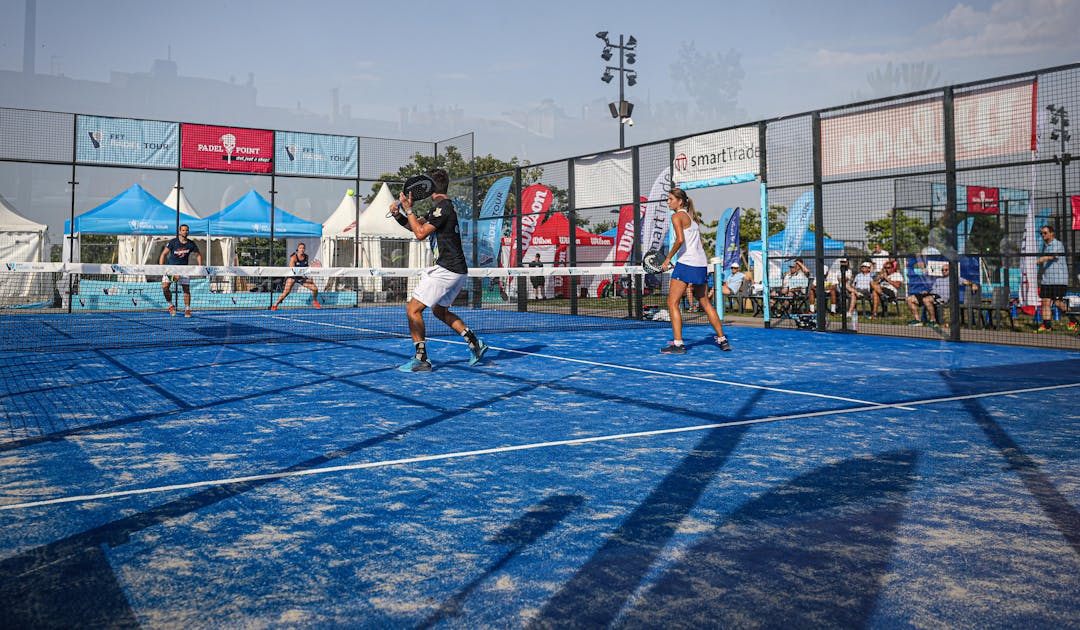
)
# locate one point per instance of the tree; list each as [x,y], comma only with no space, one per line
[911,233]
[712,80]
[750,223]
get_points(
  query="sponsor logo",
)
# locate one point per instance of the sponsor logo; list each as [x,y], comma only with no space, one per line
[137,224]
[290,151]
[723,156]
[10,266]
[95,138]
[229,142]
[680,162]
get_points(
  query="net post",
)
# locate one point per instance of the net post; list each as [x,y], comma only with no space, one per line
[633,297]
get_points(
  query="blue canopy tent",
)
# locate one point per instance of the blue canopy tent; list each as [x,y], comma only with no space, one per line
[133,212]
[138,219]
[249,216]
[833,249]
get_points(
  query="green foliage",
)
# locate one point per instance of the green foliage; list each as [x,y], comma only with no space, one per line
[256,251]
[750,223]
[708,238]
[986,235]
[911,233]
[99,249]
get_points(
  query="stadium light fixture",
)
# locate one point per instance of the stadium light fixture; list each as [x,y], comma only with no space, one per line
[1059,118]
[620,111]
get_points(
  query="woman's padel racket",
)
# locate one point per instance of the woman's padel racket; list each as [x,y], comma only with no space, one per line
[419,186]
[652,262]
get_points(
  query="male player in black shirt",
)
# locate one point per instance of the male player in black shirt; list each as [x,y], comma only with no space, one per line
[179,251]
[439,285]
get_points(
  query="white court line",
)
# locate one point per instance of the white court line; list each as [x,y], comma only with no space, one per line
[507,449]
[615,366]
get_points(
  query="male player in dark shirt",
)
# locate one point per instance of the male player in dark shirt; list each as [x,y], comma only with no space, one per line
[179,251]
[439,285]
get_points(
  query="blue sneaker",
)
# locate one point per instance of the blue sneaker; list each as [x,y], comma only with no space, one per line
[479,354]
[415,365]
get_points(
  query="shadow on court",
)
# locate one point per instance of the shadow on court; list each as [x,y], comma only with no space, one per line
[55,585]
[537,521]
[598,591]
[810,553]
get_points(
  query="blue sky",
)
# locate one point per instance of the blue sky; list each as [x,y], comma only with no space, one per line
[493,57]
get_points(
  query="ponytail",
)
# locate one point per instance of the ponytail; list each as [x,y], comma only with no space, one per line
[688,203]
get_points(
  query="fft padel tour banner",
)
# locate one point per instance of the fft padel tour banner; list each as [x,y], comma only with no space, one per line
[315,154]
[235,149]
[101,140]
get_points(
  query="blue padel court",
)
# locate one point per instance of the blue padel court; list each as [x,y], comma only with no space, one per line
[572,479]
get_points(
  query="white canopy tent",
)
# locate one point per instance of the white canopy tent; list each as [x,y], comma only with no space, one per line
[384,243]
[21,240]
[339,231]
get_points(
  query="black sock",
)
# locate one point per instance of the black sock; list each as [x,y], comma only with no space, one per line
[421,351]
[470,338]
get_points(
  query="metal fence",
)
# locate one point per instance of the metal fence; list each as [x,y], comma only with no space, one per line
[941,198]
[944,192]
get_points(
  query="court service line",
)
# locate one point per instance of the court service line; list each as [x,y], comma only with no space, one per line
[615,366]
[509,449]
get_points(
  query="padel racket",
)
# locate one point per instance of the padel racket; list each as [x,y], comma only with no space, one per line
[652,262]
[419,186]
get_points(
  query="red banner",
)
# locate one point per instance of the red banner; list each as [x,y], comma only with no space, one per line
[535,202]
[562,283]
[235,149]
[983,200]
[624,235]
[1076,212]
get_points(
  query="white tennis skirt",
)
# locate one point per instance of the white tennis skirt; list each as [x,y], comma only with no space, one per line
[438,285]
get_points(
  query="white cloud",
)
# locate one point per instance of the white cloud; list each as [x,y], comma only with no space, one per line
[1007,28]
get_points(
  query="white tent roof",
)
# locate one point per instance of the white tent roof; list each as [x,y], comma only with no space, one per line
[11,221]
[374,222]
[342,222]
[185,205]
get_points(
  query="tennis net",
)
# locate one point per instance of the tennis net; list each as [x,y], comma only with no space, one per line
[72,306]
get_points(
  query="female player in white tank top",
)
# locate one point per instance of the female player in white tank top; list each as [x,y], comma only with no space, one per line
[692,270]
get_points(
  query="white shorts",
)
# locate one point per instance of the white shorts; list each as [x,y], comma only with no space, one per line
[185,281]
[438,285]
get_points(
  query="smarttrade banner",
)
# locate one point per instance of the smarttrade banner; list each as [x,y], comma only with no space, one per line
[315,154]
[717,159]
[126,141]
[233,149]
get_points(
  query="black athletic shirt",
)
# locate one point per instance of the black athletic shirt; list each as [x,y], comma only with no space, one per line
[179,252]
[300,262]
[447,235]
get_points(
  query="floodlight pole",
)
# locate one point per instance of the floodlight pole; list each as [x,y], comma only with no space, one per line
[1060,131]
[622,124]
[621,110]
